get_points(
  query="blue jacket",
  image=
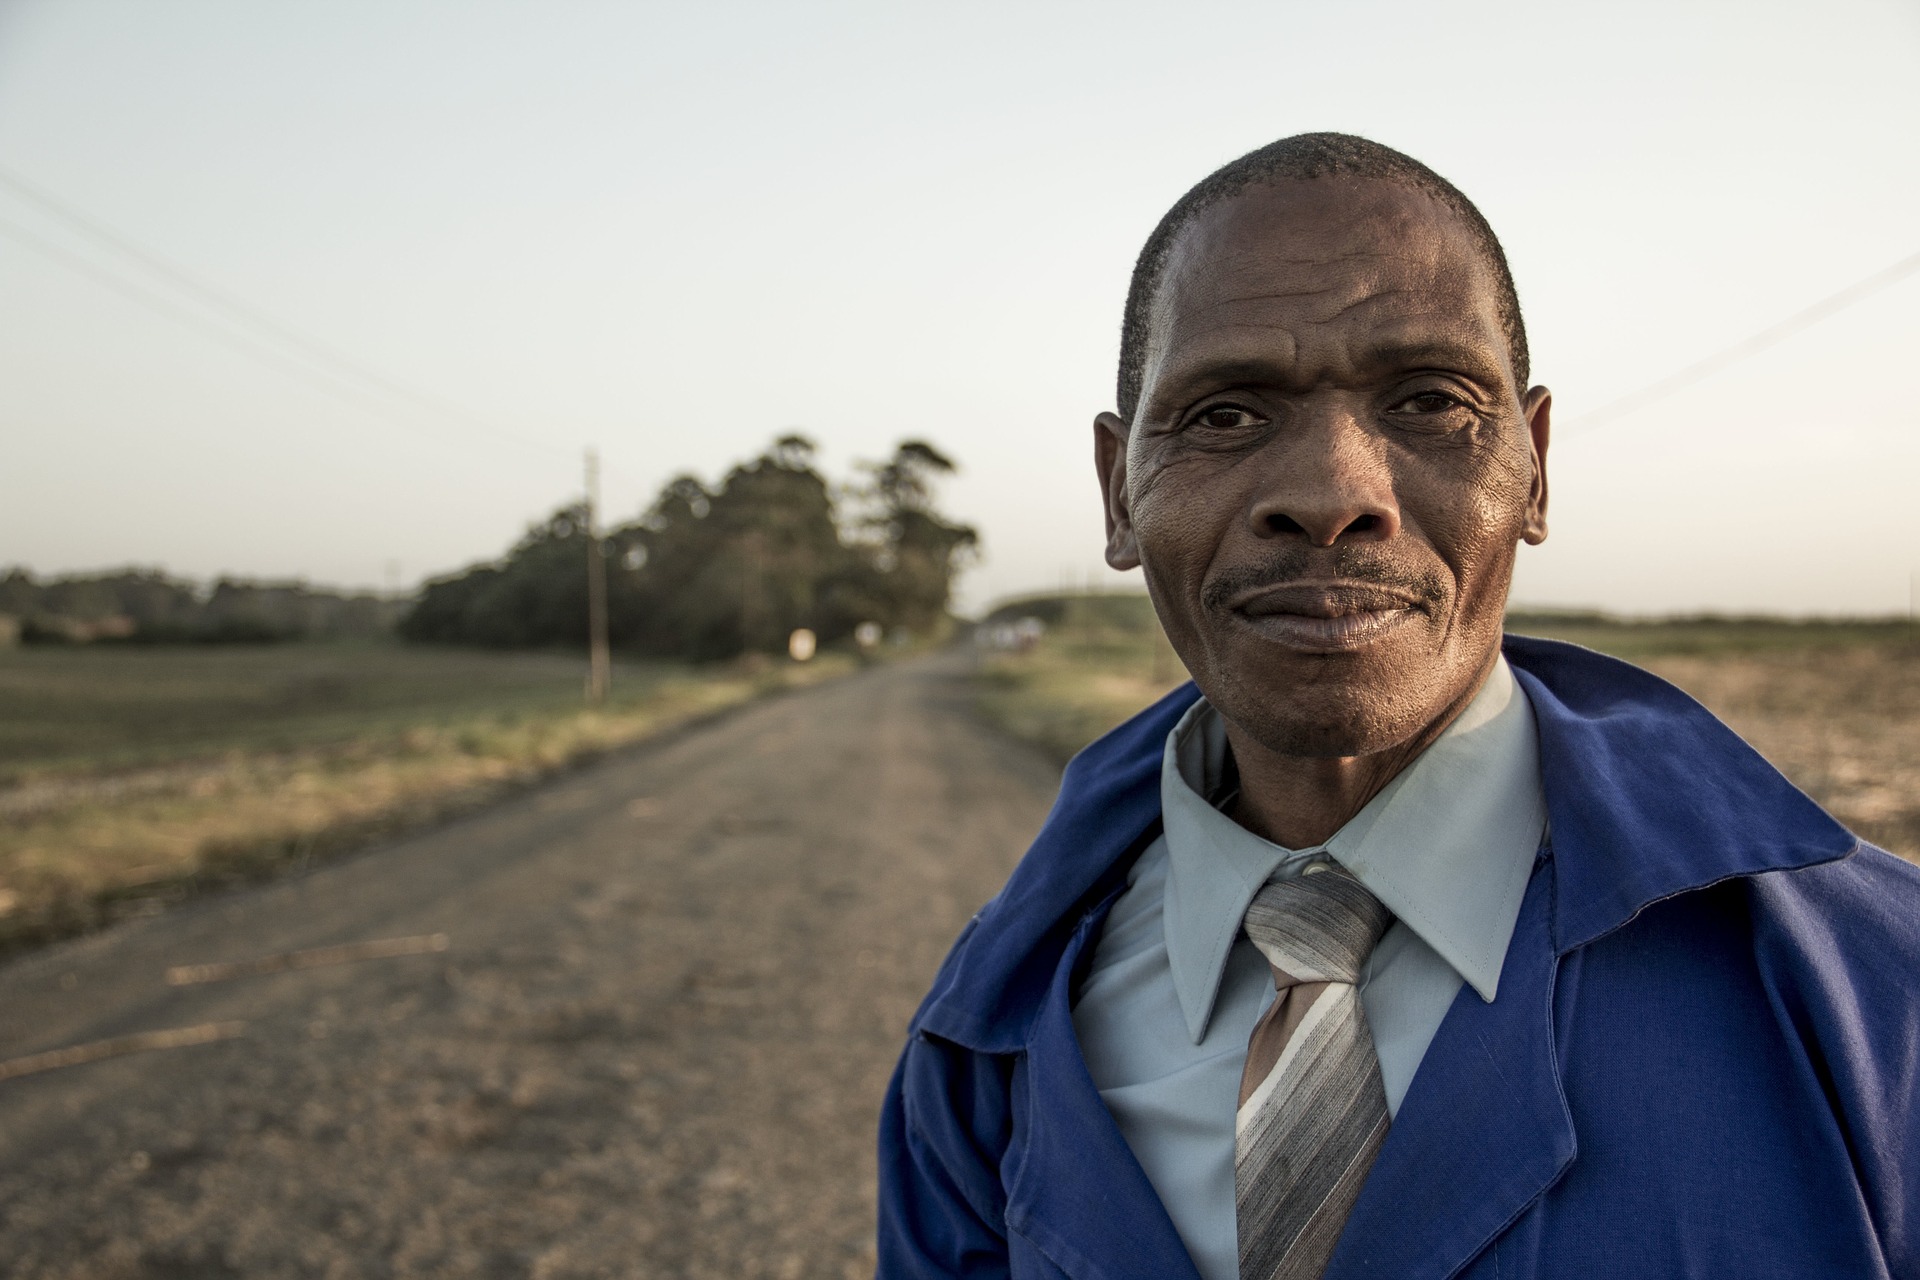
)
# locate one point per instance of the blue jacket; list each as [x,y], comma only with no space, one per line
[1704,1059]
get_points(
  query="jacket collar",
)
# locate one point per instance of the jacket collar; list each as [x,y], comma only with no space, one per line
[1647,794]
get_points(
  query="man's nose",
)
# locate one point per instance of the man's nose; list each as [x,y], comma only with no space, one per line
[1328,481]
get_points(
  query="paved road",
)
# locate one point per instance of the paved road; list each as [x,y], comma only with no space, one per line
[655,1046]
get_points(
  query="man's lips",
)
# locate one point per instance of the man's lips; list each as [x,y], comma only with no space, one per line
[1327,617]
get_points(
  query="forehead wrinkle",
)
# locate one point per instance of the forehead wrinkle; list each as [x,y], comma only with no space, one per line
[1277,348]
[1204,267]
[1180,310]
[1208,268]
[1286,295]
[1221,258]
[1182,323]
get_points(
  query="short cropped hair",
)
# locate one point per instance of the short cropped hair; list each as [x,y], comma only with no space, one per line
[1301,157]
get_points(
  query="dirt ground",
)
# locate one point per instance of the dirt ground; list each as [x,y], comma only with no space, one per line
[674,989]
[134,777]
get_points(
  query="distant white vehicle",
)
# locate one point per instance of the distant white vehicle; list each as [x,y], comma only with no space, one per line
[1013,637]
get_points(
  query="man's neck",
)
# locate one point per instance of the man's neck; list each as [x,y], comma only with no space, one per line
[1298,802]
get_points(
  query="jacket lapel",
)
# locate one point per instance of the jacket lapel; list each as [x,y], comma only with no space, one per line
[1483,1131]
[1648,795]
[1077,1192]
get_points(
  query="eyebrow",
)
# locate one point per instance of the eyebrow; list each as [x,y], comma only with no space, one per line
[1470,359]
[1466,357]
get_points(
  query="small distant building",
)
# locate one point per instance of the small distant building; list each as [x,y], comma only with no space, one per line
[9,630]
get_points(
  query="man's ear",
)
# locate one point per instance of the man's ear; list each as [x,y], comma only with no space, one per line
[1110,459]
[1538,410]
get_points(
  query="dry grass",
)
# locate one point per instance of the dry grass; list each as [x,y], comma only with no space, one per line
[1835,706]
[129,778]
[1842,721]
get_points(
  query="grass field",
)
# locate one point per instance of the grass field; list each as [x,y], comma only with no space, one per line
[130,776]
[1834,705]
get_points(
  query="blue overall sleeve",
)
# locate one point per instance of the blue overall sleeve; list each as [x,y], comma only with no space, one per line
[943,1132]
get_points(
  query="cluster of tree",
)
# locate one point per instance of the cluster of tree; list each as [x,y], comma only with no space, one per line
[711,572]
[146,606]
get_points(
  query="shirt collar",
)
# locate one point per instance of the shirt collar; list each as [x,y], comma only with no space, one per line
[1447,845]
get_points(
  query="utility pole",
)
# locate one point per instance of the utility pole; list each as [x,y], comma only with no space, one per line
[599,659]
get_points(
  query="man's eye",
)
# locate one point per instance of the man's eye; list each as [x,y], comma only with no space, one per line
[1225,417]
[1429,402]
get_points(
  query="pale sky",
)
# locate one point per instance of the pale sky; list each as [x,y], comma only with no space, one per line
[676,230]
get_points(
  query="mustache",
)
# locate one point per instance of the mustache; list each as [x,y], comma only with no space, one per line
[1346,564]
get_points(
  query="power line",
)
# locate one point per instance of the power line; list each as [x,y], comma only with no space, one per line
[234,311]
[1773,335]
[173,310]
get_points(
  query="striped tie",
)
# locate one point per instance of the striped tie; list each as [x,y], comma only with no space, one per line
[1313,1112]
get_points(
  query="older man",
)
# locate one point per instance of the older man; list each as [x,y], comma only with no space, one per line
[1396,949]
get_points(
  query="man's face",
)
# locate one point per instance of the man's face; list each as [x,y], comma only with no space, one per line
[1330,465]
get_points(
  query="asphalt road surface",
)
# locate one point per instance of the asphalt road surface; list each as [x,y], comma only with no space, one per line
[673,990]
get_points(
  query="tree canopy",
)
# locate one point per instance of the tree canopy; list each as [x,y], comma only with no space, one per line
[715,571]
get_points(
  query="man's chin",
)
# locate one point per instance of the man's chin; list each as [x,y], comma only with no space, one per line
[1307,738]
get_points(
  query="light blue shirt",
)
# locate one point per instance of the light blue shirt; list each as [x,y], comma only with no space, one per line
[1175,988]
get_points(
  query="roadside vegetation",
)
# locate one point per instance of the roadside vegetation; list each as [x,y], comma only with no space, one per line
[1089,663]
[711,571]
[148,606]
[159,735]
[1835,705]
[131,776]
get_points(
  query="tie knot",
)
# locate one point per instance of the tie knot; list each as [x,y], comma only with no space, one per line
[1317,927]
